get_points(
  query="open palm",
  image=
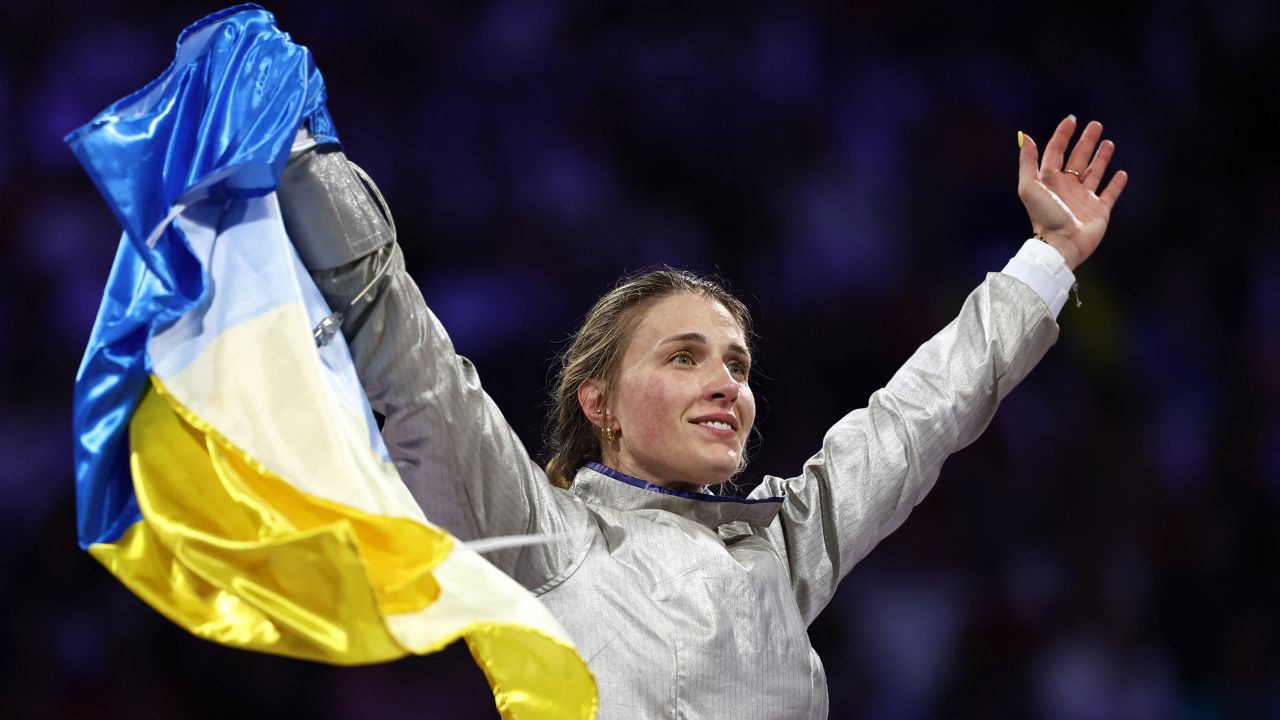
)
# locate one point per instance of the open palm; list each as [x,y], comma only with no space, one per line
[1062,201]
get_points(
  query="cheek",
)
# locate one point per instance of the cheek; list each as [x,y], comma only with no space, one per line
[747,407]
[650,403]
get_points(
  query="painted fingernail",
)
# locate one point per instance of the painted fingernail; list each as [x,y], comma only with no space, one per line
[1072,118]
[1022,139]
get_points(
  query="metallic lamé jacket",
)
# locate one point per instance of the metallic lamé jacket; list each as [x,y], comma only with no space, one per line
[689,606]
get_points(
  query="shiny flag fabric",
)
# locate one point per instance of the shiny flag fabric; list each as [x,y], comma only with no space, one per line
[228,471]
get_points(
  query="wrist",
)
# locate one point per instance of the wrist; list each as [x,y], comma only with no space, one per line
[1070,254]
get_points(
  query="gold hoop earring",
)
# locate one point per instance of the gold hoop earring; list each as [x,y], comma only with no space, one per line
[609,434]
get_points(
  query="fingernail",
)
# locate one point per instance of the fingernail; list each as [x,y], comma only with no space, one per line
[1072,118]
[1022,139]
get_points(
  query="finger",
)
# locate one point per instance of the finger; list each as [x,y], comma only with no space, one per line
[1057,145]
[1092,176]
[1026,161]
[1080,154]
[1112,192]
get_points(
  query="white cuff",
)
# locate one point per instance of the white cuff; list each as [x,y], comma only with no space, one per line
[1042,268]
[302,140]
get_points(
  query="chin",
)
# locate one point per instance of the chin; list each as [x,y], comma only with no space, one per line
[717,473]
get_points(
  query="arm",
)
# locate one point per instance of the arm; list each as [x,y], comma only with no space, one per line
[877,463]
[461,460]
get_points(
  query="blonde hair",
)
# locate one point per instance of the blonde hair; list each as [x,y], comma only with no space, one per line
[596,352]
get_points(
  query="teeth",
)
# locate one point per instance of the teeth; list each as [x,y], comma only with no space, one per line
[716,424]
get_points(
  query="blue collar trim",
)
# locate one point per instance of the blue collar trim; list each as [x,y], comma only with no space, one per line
[700,497]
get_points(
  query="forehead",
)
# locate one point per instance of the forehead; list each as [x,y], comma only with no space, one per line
[687,313]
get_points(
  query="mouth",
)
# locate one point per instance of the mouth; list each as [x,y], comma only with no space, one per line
[721,422]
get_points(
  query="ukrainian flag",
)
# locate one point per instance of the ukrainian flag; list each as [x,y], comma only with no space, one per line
[228,470]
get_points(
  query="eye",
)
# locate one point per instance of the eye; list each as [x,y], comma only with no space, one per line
[738,368]
[682,358]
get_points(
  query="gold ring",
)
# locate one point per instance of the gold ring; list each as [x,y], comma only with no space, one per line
[1076,173]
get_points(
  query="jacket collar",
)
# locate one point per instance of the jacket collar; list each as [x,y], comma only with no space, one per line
[596,483]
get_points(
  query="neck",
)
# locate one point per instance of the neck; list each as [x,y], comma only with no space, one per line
[642,473]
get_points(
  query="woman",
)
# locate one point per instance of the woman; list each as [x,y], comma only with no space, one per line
[686,603]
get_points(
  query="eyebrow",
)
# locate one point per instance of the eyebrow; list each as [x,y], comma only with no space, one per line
[700,338]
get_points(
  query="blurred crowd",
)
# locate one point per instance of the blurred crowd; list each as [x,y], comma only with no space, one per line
[1108,549]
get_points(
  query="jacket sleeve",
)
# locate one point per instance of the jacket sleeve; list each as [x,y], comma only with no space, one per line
[456,453]
[878,462]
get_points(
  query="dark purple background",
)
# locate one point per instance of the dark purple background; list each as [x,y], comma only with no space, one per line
[1110,548]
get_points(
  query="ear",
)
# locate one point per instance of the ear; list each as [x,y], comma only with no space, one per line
[592,401]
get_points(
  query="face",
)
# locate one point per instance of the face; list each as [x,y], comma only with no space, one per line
[682,404]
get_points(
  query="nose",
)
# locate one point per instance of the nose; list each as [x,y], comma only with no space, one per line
[722,385]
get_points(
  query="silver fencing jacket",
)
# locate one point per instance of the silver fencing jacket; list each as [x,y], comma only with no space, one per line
[683,605]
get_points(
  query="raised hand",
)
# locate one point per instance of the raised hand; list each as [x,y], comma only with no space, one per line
[1062,201]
